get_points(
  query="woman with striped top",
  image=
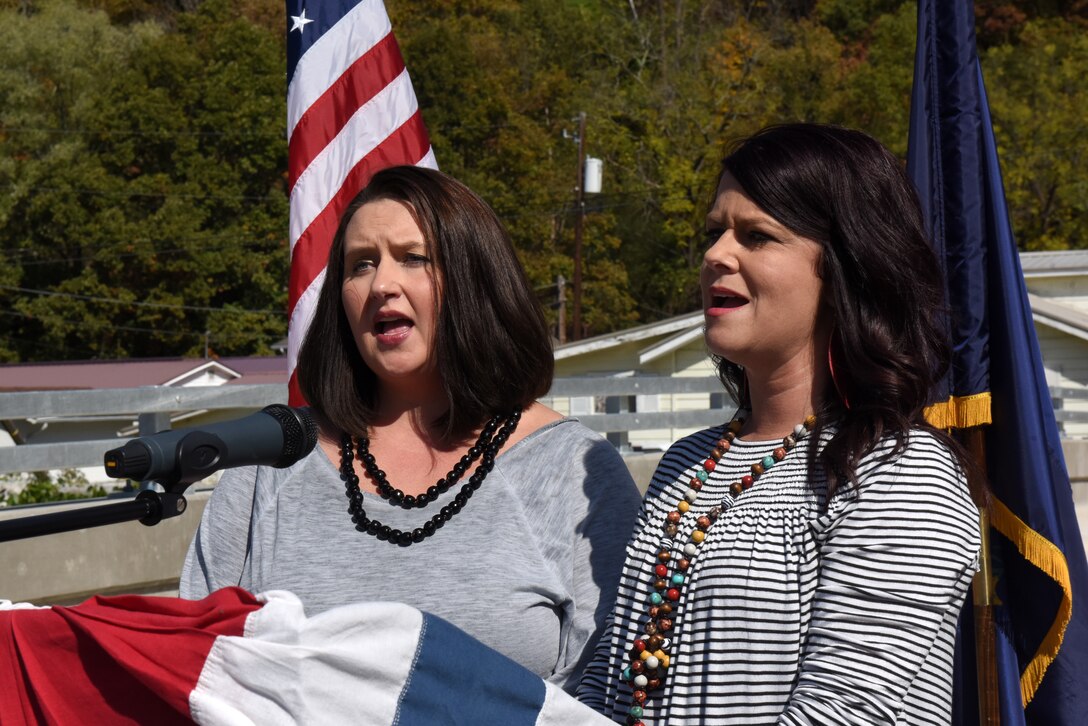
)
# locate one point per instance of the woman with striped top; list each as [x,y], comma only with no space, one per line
[805,562]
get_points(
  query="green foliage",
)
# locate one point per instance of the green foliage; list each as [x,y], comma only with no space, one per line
[143,158]
[500,83]
[145,168]
[1038,99]
[850,20]
[38,487]
[999,22]
[875,95]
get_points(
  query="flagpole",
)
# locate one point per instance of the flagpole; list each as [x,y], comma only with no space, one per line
[989,703]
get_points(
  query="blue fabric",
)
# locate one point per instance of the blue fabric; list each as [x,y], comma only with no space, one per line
[324,14]
[943,158]
[456,680]
[952,158]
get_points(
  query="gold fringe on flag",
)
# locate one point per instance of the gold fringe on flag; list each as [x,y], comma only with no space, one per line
[1045,555]
[960,412]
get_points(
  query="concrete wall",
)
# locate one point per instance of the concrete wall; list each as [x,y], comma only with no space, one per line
[1076,461]
[67,568]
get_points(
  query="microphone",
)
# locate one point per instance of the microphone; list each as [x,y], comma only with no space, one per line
[277,435]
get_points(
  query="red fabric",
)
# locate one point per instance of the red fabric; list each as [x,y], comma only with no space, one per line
[321,128]
[311,252]
[116,660]
[324,119]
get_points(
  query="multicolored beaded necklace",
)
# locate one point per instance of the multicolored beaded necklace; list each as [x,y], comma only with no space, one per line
[491,439]
[649,653]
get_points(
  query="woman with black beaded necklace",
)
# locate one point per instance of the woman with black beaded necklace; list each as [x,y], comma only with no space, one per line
[806,561]
[439,480]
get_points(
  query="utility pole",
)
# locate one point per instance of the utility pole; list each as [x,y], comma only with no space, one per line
[579,219]
[561,303]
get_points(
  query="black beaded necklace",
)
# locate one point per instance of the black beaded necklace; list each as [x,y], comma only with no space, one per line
[494,434]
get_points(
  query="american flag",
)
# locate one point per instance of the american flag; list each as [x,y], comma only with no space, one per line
[237,658]
[351,111]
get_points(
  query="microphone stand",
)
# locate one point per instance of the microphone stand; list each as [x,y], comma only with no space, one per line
[196,456]
[149,507]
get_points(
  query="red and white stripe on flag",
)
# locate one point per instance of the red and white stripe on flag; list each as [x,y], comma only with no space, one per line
[351,111]
[235,659]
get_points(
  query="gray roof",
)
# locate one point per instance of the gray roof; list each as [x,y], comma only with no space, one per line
[1053,264]
[257,369]
[641,332]
[93,374]
[1058,316]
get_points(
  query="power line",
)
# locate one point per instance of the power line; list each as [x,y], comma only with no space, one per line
[555,206]
[136,329]
[164,133]
[130,132]
[136,303]
[197,244]
[148,195]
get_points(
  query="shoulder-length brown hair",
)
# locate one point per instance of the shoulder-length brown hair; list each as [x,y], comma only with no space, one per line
[880,275]
[492,345]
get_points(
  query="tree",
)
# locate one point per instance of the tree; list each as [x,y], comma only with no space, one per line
[499,83]
[148,202]
[1037,99]
[144,154]
[876,90]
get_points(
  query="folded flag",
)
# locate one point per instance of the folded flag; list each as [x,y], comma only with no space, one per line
[236,658]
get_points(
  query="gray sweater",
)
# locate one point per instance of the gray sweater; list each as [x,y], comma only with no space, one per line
[529,566]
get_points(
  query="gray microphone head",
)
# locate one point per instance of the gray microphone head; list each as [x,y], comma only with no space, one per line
[299,432]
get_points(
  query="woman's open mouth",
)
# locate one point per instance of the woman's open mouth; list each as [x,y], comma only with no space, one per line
[725,303]
[389,331]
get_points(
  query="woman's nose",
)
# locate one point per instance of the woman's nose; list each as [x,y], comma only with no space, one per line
[722,252]
[386,281]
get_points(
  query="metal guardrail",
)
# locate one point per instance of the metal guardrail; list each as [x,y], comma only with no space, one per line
[137,402]
[147,399]
[152,405]
[1059,395]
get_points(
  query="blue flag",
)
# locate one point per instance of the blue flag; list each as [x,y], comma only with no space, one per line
[1040,606]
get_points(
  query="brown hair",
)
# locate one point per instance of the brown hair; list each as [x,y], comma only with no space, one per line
[492,344]
[881,278]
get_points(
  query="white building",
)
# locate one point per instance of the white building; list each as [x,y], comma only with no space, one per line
[1057,289]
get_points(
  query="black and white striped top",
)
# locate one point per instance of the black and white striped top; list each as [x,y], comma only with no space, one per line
[796,613]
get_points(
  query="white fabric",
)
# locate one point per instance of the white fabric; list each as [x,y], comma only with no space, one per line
[797,609]
[347,665]
[358,31]
[375,120]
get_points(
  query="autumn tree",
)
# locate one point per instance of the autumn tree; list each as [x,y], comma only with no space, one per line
[147,207]
[501,84]
[143,155]
[1037,99]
